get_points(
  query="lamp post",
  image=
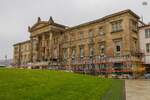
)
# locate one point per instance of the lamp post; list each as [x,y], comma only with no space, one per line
[5,60]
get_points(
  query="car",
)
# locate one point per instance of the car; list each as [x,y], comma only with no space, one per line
[147,76]
[114,76]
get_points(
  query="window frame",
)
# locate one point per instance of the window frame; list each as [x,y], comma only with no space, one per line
[81,52]
[65,53]
[118,43]
[116,26]
[91,51]
[134,25]
[147,47]
[73,53]
[101,31]
[147,33]
[102,48]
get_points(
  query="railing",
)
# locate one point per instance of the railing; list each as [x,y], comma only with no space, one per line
[98,59]
[44,63]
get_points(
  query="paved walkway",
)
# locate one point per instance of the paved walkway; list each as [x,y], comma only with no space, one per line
[137,89]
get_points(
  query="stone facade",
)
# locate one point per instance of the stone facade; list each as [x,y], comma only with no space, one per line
[110,40]
[22,53]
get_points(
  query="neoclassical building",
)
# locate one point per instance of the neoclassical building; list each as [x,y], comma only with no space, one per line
[108,44]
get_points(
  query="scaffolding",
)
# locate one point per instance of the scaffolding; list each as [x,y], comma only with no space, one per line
[107,65]
[97,65]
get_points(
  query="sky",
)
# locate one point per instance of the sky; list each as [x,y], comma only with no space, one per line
[17,15]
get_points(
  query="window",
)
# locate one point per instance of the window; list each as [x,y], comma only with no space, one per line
[134,26]
[55,53]
[117,48]
[102,49]
[65,53]
[148,47]
[81,36]
[55,40]
[81,52]
[16,50]
[116,26]
[101,31]
[90,34]
[65,37]
[73,53]
[91,51]
[147,33]
[135,44]
[73,37]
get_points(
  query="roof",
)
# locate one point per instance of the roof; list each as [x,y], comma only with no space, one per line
[49,22]
[148,25]
[21,43]
[104,18]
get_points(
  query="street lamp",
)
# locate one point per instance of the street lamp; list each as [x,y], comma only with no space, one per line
[5,60]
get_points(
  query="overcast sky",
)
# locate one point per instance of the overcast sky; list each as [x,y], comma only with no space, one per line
[17,15]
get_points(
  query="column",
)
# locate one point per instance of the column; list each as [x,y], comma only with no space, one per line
[43,47]
[46,47]
[50,44]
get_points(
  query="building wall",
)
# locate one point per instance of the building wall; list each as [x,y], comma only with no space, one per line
[25,53]
[22,53]
[143,42]
[72,38]
[51,41]
[16,54]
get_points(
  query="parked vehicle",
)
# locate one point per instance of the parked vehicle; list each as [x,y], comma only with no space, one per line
[114,76]
[147,76]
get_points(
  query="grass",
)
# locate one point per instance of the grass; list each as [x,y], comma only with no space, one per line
[19,84]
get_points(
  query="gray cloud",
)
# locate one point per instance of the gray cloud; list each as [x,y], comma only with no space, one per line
[16,15]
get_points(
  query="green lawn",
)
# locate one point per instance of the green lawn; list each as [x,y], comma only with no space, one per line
[20,84]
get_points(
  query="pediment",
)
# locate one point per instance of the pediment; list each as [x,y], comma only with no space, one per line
[38,25]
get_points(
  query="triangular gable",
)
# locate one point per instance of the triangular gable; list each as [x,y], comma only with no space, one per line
[39,25]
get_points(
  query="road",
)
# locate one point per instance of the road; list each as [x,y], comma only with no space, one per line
[137,89]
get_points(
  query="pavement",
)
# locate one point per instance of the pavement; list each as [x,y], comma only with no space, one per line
[137,89]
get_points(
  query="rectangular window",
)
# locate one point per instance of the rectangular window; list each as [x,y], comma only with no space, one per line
[73,37]
[65,38]
[81,52]
[147,33]
[81,36]
[101,31]
[65,53]
[90,36]
[135,44]
[90,33]
[117,48]
[102,49]
[91,51]
[73,53]
[134,26]
[116,26]
[148,47]
[16,49]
